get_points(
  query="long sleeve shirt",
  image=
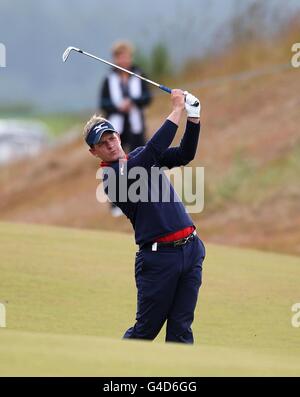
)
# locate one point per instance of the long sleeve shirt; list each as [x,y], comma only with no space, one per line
[152,218]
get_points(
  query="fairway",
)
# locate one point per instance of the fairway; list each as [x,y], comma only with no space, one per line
[71,295]
[30,354]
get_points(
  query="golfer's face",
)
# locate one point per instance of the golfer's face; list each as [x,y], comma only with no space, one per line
[109,147]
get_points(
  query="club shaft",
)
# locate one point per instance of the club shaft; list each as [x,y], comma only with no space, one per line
[162,87]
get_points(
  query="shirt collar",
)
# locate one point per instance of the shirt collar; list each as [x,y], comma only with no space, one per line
[109,163]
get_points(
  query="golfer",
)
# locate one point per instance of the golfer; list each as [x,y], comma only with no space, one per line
[168,264]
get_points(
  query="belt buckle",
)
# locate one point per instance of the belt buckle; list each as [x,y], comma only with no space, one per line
[185,240]
[180,242]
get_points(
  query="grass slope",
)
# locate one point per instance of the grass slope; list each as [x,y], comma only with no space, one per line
[71,295]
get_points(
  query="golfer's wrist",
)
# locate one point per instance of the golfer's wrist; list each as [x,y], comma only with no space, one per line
[195,120]
[176,115]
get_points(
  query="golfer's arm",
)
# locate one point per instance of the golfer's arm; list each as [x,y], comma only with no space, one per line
[195,120]
[157,145]
[189,141]
[185,152]
[175,116]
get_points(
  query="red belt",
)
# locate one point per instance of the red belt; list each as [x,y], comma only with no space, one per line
[176,235]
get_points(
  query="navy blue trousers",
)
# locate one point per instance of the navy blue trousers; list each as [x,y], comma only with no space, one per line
[168,282]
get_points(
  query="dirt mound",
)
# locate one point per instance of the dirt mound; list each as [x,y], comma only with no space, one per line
[248,130]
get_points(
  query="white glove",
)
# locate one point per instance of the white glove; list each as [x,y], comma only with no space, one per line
[192,105]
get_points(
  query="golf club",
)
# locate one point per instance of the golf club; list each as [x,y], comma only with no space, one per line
[162,87]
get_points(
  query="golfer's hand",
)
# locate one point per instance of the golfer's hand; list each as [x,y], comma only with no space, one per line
[192,105]
[177,98]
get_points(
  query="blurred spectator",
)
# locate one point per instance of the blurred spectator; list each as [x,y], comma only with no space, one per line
[122,99]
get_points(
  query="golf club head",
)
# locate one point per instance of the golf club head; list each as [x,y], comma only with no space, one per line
[67,52]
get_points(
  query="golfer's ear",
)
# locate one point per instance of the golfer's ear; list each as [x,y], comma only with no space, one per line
[92,151]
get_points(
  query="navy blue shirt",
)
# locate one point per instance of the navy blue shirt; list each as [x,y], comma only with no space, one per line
[153,218]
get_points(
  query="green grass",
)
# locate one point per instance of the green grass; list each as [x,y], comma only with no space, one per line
[246,182]
[71,295]
[230,185]
[57,123]
[25,354]
[60,123]
[278,176]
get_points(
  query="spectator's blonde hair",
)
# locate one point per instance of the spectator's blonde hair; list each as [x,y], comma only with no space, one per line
[122,46]
[95,119]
